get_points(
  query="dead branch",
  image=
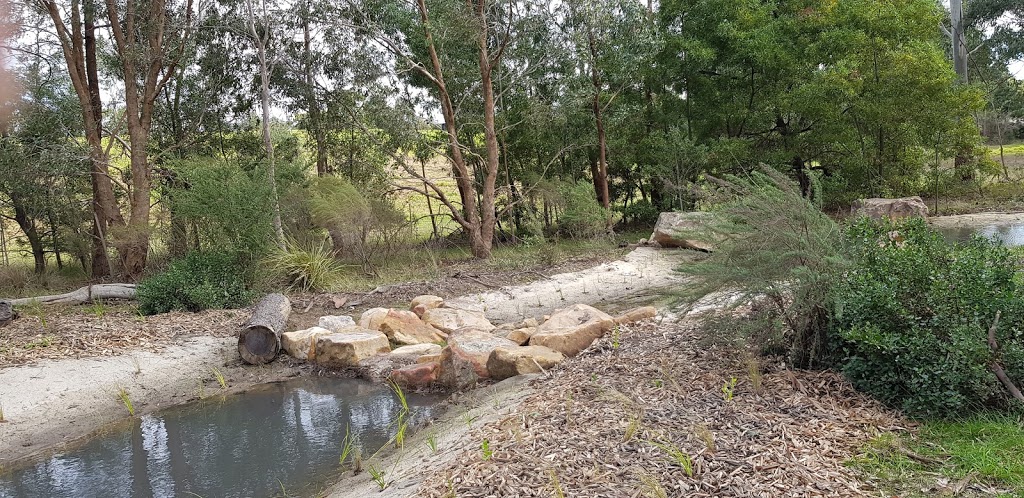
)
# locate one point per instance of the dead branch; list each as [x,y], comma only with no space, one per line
[996,367]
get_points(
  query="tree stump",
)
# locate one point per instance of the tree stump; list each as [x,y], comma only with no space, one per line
[260,338]
[7,313]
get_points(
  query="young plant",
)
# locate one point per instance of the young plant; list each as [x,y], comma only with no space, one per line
[220,378]
[754,372]
[729,388]
[556,486]
[432,442]
[97,308]
[122,394]
[485,446]
[651,487]
[377,474]
[678,456]
[616,336]
[632,428]
[347,445]
[704,434]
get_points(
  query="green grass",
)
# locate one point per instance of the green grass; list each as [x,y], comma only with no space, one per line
[989,447]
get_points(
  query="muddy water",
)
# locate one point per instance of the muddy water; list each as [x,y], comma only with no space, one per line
[1011,234]
[280,439]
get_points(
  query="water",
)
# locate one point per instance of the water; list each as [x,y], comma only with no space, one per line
[1011,234]
[284,436]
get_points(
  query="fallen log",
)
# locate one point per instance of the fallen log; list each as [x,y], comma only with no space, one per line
[86,294]
[7,313]
[260,338]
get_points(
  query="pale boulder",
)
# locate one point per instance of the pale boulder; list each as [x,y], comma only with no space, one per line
[681,230]
[572,329]
[418,350]
[519,336]
[301,344]
[449,320]
[350,347]
[372,318]
[510,362]
[464,359]
[336,323]
[636,315]
[404,327]
[420,304]
[905,207]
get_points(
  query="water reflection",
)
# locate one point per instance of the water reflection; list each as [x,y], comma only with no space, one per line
[282,436]
[1011,235]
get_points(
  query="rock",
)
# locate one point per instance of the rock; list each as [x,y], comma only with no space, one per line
[336,322]
[418,350]
[349,347]
[509,362]
[449,320]
[464,359]
[371,318]
[404,327]
[417,376]
[427,301]
[529,322]
[378,368]
[428,358]
[572,329]
[904,207]
[636,315]
[519,336]
[301,344]
[671,230]
[7,313]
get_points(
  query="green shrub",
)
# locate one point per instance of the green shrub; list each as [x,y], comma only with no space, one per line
[200,280]
[913,316]
[305,266]
[582,216]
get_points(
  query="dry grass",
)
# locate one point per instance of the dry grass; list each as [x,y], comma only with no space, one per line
[794,438]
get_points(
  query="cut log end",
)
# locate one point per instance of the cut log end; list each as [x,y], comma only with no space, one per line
[258,345]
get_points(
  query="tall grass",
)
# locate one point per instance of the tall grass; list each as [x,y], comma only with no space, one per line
[307,267]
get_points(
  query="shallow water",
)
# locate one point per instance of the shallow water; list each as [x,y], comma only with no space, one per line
[282,438]
[1011,234]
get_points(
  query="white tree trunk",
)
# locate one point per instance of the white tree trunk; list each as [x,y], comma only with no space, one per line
[86,294]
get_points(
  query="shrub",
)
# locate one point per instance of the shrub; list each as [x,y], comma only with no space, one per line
[913,315]
[582,216]
[307,267]
[200,280]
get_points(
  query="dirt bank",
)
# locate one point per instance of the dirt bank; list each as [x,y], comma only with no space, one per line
[976,220]
[53,400]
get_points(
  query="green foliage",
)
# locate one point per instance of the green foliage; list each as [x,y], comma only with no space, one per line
[582,216]
[199,281]
[309,267]
[914,312]
[363,225]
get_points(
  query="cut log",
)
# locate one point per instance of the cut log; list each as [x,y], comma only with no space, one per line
[7,313]
[260,338]
[86,294]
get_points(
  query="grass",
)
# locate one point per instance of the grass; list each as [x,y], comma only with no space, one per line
[988,448]
[122,394]
[678,456]
[432,442]
[220,378]
[2,419]
[377,474]
[347,446]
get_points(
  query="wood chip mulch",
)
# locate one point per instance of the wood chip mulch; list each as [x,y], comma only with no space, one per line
[607,423]
[58,332]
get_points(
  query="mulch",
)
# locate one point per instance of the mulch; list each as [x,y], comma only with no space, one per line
[58,331]
[608,423]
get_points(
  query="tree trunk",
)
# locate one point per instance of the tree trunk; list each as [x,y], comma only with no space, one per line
[601,179]
[28,226]
[260,338]
[487,211]
[82,295]
[315,119]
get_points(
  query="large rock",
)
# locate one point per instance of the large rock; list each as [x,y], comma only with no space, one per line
[420,304]
[404,327]
[301,344]
[378,368]
[336,322]
[372,318]
[350,347]
[636,315]
[509,362]
[449,320]
[905,207]
[464,359]
[418,350]
[677,230]
[519,336]
[572,329]
[420,375]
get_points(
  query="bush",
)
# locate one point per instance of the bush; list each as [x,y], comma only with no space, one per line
[307,267]
[913,316]
[200,280]
[582,217]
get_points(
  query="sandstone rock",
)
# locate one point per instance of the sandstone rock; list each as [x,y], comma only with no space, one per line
[301,344]
[420,304]
[572,329]
[371,318]
[636,315]
[464,359]
[418,350]
[378,368]
[675,230]
[336,322]
[904,207]
[519,336]
[348,348]
[449,320]
[529,322]
[429,358]
[404,327]
[509,362]
[419,375]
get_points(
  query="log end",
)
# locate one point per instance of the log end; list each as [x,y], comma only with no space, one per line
[258,345]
